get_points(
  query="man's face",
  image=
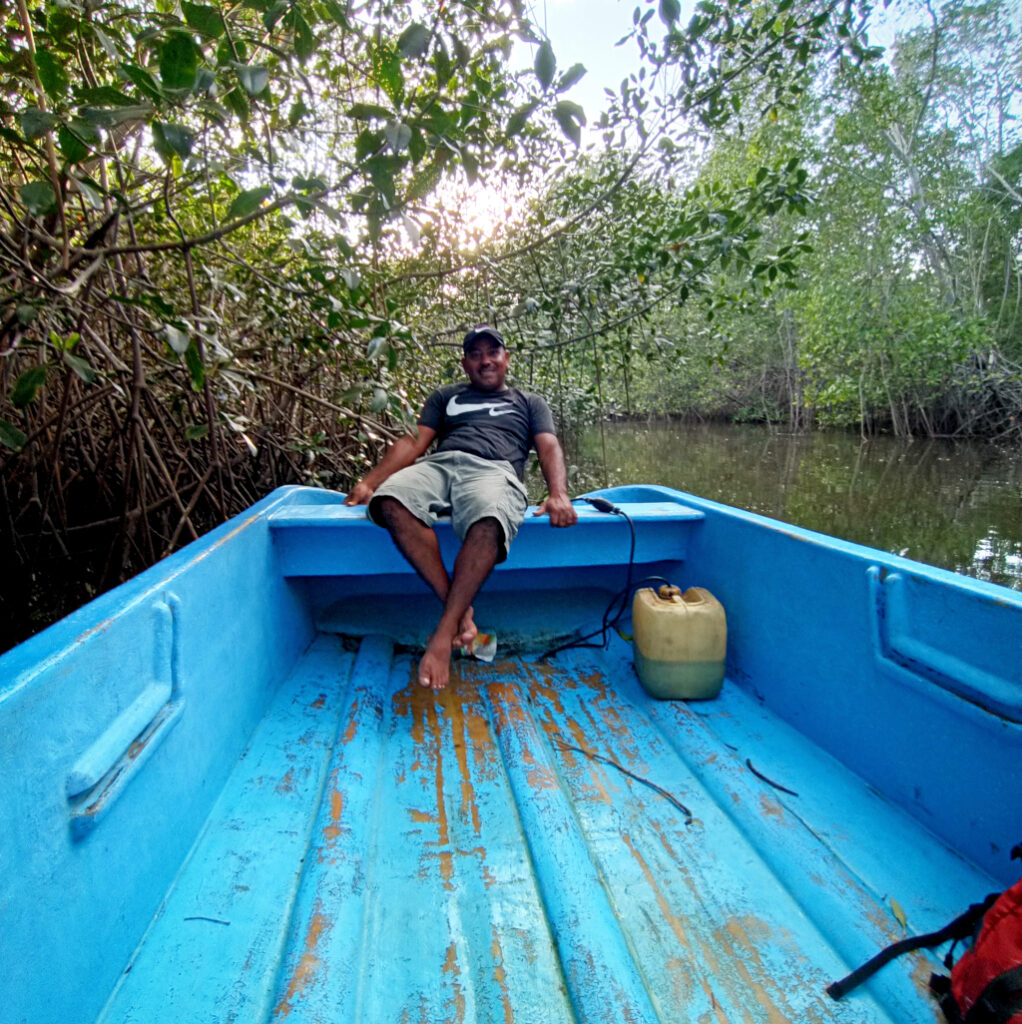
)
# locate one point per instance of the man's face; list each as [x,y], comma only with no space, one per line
[486,364]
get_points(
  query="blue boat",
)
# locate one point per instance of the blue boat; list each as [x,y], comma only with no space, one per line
[225,797]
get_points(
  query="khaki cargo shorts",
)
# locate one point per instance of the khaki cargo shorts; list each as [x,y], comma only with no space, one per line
[465,487]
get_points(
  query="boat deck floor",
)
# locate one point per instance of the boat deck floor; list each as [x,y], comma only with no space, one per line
[540,842]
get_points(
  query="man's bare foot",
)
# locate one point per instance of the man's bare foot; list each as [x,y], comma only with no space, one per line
[467,631]
[435,664]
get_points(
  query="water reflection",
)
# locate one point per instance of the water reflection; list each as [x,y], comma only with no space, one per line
[956,505]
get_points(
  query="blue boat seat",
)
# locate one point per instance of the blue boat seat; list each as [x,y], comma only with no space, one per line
[309,543]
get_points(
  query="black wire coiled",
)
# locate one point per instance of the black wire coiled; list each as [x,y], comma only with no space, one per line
[613,614]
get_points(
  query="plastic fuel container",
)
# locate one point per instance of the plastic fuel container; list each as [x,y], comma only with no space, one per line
[680,642]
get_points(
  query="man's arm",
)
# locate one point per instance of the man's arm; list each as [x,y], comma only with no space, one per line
[403,452]
[551,460]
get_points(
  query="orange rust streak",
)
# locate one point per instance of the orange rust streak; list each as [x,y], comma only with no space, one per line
[286,784]
[309,964]
[349,732]
[500,977]
[452,967]
[333,830]
[743,936]
[467,732]
[742,940]
[674,922]
[770,808]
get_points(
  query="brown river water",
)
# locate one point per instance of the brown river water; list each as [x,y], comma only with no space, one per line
[952,504]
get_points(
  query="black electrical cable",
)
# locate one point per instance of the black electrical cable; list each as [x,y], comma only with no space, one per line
[622,596]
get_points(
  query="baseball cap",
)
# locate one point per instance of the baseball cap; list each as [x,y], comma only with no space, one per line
[480,332]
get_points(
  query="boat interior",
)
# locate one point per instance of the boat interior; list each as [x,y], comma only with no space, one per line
[541,841]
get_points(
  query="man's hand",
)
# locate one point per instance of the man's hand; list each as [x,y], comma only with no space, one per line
[560,510]
[360,494]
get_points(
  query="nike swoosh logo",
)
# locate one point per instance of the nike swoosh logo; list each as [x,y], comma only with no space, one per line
[456,408]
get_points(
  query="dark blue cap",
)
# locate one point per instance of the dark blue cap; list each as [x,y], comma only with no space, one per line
[480,332]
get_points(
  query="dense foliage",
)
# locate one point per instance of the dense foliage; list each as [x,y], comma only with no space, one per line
[851,256]
[233,251]
[195,214]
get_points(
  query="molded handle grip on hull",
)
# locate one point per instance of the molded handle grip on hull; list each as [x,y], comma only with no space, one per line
[103,771]
[915,630]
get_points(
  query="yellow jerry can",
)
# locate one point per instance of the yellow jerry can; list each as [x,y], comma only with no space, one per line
[680,641]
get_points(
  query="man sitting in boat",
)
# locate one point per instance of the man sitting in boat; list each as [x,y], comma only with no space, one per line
[484,431]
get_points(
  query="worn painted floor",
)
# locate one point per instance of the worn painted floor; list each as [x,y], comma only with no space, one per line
[538,843]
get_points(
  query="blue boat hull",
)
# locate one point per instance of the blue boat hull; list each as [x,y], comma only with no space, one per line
[225,798]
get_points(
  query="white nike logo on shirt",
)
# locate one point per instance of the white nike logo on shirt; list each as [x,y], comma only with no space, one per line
[455,408]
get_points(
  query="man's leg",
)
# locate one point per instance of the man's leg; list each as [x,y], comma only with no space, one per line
[420,547]
[475,562]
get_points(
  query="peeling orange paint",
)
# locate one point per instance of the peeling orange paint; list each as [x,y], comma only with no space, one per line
[453,968]
[333,830]
[309,964]
[286,784]
[500,977]
[769,807]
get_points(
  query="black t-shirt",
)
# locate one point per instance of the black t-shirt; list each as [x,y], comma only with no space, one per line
[491,424]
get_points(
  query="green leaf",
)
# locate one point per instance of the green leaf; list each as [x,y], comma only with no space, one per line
[387,65]
[81,367]
[254,78]
[35,123]
[237,101]
[368,112]
[574,74]
[11,436]
[519,118]
[141,79]
[196,431]
[336,12]
[177,339]
[399,135]
[305,40]
[545,64]
[52,74]
[179,61]
[206,20]
[379,401]
[172,140]
[377,348]
[248,202]
[195,368]
[105,96]
[570,116]
[105,41]
[670,11]
[38,197]
[113,116]
[71,145]
[26,386]
[414,41]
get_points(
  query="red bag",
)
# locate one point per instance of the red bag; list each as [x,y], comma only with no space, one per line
[985,986]
[986,983]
